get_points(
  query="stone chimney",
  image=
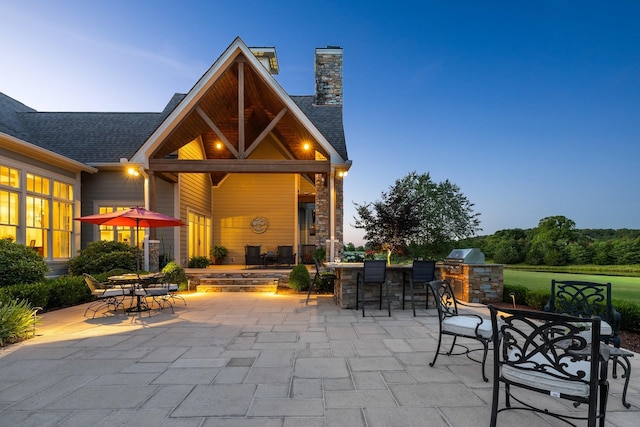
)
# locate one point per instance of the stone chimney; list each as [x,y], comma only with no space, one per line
[328,76]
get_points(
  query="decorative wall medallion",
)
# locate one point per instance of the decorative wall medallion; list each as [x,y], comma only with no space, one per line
[259,225]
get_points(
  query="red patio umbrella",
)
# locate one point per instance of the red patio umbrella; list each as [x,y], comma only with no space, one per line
[135,216]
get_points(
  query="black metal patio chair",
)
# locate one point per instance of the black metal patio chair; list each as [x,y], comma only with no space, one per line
[322,274]
[552,354]
[252,256]
[373,273]
[422,272]
[460,325]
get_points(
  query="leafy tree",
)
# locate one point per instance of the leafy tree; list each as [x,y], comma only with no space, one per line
[416,211]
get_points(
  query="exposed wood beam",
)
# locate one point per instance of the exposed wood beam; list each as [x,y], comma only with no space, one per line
[266,131]
[218,132]
[239,166]
[241,110]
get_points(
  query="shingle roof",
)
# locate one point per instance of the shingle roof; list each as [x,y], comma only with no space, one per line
[107,137]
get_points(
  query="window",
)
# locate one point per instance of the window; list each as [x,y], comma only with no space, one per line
[119,233]
[199,235]
[46,206]
[62,219]
[9,202]
[37,223]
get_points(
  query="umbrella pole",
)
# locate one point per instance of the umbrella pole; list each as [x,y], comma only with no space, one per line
[137,247]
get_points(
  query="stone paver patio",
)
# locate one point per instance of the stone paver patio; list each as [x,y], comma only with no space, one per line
[248,359]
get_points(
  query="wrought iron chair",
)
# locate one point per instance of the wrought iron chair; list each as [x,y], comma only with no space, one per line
[286,255]
[169,281]
[552,354]
[422,273]
[457,325]
[320,276]
[159,294]
[587,299]
[373,273]
[252,256]
[107,296]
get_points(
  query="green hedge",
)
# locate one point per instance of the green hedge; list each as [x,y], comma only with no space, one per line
[49,294]
[536,299]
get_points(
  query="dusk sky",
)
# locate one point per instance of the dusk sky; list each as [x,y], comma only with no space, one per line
[531,107]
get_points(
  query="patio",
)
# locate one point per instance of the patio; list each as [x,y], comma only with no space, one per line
[252,359]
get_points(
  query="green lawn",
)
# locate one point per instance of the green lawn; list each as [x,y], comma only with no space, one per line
[622,287]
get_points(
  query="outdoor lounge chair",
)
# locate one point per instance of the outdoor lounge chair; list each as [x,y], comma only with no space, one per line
[252,256]
[286,256]
[457,325]
[556,355]
[109,297]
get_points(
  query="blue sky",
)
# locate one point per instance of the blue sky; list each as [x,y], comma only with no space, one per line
[531,108]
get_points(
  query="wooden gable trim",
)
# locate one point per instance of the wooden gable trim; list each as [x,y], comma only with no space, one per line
[239,166]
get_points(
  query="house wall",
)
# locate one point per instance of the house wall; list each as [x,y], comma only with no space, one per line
[107,187]
[243,197]
[195,195]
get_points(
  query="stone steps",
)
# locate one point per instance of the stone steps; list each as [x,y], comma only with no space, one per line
[238,284]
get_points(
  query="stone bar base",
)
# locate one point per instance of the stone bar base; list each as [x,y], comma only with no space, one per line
[481,283]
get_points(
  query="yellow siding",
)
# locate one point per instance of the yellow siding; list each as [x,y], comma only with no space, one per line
[243,197]
[195,193]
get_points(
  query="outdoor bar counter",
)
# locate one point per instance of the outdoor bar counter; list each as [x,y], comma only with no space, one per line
[480,283]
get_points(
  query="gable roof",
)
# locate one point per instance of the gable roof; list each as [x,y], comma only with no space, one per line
[97,138]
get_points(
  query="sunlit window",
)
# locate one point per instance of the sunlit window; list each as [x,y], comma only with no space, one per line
[199,235]
[119,233]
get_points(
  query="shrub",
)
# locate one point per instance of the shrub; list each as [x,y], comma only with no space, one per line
[519,291]
[174,273]
[37,294]
[20,264]
[537,299]
[102,256]
[67,291]
[630,313]
[320,253]
[17,321]
[299,278]
[199,262]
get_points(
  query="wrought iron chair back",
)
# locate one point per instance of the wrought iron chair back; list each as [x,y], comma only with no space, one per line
[586,299]
[551,354]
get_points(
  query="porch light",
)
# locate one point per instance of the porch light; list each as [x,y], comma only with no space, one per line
[133,171]
[342,174]
[306,146]
[218,145]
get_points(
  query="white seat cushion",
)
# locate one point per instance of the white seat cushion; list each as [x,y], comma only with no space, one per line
[172,286]
[112,292]
[466,325]
[545,381]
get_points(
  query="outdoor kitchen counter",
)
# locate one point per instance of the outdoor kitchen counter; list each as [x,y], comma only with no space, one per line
[480,283]
[397,274]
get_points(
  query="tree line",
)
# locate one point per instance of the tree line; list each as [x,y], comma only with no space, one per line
[556,242]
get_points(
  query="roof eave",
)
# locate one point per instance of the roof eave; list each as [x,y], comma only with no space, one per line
[19,146]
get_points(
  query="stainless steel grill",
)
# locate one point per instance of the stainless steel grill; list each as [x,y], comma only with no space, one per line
[465,256]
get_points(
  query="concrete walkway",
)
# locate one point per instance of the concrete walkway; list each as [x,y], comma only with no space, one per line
[246,359]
